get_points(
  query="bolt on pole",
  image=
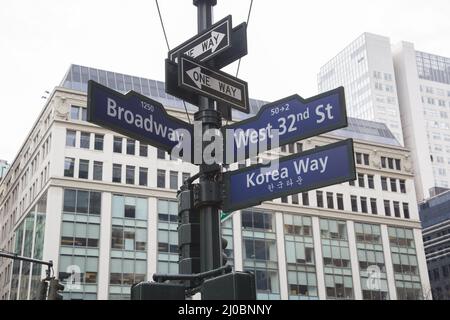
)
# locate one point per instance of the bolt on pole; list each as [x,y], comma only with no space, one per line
[210,236]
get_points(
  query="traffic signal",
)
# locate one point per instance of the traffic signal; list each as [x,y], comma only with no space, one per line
[42,290]
[54,288]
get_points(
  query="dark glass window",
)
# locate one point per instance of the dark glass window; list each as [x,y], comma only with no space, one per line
[387,208]
[161,179]
[340,201]
[366,159]
[330,203]
[354,201]
[299,147]
[361,180]
[117,173]
[406,210]
[383,162]
[364,204]
[295,198]
[98,170]
[143,150]
[69,167]
[117,148]
[384,185]
[397,209]
[82,201]
[69,200]
[130,175]
[305,198]
[319,197]
[373,205]
[291,148]
[161,154]
[143,176]
[174,180]
[83,171]
[130,211]
[85,139]
[358,158]
[95,203]
[370,181]
[393,185]
[284,199]
[402,186]
[390,163]
[83,114]
[74,113]
[98,142]
[398,164]
[131,147]
[70,138]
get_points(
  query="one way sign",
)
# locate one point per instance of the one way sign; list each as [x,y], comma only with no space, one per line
[207,44]
[213,84]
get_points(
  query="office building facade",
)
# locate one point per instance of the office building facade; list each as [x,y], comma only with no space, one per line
[435,217]
[103,208]
[409,90]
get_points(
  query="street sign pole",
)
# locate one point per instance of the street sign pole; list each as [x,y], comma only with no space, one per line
[210,238]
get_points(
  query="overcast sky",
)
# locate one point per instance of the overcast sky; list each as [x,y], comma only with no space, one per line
[288,42]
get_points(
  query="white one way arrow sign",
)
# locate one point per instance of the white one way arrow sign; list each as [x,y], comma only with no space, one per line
[218,85]
[201,79]
[207,44]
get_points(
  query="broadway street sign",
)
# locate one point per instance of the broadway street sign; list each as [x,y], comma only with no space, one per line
[207,44]
[295,119]
[313,169]
[135,116]
[214,84]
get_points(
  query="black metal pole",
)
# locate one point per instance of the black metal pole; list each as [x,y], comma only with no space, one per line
[16,257]
[210,239]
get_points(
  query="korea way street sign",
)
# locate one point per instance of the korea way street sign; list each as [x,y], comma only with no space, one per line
[213,84]
[313,169]
[207,44]
[295,119]
[135,116]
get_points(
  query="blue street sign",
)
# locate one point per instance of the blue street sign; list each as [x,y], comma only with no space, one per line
[313,169]
[295,119]
[135,116]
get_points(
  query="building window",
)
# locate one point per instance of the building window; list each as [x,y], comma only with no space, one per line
[143,150]
[351,183]
[370,181]
[70,138]
[82,202]
[131,147]
[387,208]
[358,158]
[117,173]
[78,113]
[366,159]
[319,198]
[373,205]
[364,204]
[174,180]
[161,154]
[98,170]
[167,237]
[404,260]
[305,198]
[129,207]
[393,185]
[69,167]
[299,147]
[354,201]
[143,176]
[98,145]
[361,180]
[130,175]
[295,199]
[390,163]
[330,203]
[302,282]
[161,179]
[371,259]
[402,186]
[383,162]
[398,165]
[85,139]
[397,209]
[384,185]
[117,147]
[336,259]
[405,210]
[340,201]
[260,252]
[83,172]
